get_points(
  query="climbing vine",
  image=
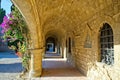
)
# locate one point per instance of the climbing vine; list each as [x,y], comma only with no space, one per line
[16,33]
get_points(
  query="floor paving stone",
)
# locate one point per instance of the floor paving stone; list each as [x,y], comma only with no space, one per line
[10,66]
[59,69]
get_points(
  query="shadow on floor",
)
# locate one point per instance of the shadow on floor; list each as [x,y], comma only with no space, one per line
[8,55]
[52,55]
[11,68]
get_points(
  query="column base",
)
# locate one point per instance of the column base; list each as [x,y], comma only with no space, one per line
[33,74]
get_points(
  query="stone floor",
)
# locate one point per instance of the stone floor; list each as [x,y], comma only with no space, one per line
[10,66]
[52,55]
[59,69]
[53,69]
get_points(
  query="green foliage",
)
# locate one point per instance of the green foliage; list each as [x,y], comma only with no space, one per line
[2,14]
[16,33]
[25,61]
[21,34]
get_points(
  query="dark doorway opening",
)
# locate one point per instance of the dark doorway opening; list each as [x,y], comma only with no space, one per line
[50,45]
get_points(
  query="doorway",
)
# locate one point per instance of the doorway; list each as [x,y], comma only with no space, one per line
[52,48]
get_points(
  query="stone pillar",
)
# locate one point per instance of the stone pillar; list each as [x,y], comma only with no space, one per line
[36,63]
[64,49]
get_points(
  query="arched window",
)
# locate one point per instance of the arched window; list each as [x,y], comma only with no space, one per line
[107,44]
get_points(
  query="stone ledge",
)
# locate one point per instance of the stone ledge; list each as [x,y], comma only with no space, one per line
[103,65]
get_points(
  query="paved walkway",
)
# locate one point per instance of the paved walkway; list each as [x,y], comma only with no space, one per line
[58,69]
[53,69]
[10,66]
[52,55]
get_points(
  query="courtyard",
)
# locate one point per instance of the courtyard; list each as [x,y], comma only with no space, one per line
[53,69]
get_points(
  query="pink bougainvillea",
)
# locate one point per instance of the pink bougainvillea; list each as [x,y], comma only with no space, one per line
[16,33]
[7,21]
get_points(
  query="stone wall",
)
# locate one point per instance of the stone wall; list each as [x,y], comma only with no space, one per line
[100,71]
[87,47]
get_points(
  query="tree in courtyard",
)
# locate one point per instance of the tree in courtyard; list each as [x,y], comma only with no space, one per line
[2,14]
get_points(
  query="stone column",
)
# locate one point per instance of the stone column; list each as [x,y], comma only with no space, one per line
[36,63]
[64,48]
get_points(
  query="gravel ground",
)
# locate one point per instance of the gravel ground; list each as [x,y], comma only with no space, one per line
[10,66]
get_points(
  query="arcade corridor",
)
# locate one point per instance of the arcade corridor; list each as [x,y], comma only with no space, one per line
[59,69]
[84,32]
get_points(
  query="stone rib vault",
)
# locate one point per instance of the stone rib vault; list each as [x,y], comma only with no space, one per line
[76,26]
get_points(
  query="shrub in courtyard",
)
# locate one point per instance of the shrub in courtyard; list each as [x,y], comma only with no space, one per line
[16,33]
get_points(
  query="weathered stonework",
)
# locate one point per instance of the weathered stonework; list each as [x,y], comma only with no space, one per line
[81,20]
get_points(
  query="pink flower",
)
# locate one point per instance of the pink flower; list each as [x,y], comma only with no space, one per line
[2,25]
[7,23]
[5,19]
[10,22]
[11,16]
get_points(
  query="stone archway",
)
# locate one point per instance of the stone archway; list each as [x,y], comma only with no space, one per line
[36,46]
[52,47]
[107,44]
[57,36]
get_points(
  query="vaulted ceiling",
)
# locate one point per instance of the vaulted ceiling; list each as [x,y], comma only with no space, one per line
[64,15]
[69,13]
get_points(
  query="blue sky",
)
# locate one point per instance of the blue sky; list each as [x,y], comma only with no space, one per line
[6,5]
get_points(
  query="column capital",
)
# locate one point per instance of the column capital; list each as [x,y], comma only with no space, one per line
[36,48]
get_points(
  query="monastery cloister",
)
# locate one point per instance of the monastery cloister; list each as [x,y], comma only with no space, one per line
[84,32]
